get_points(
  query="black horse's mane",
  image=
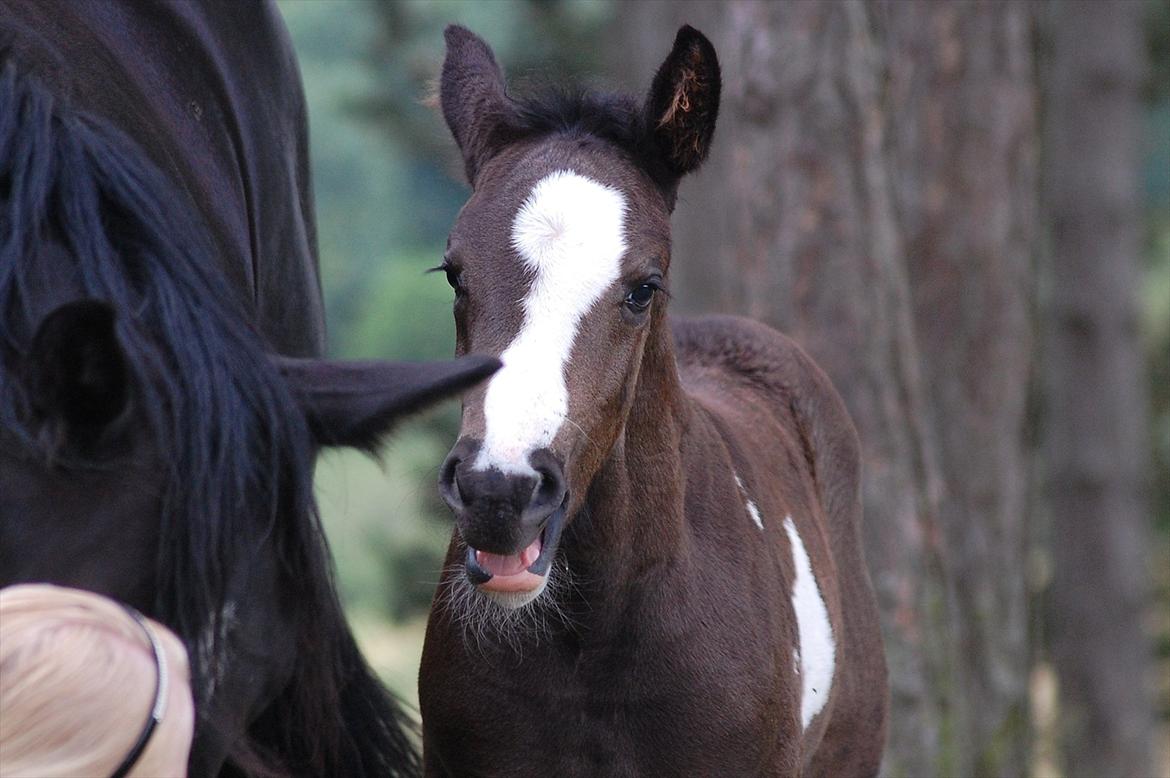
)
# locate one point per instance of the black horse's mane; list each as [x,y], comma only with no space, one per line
[238,455]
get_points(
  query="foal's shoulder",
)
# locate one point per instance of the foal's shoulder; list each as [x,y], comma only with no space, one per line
[741,348]
[735,352]
[721,354]
[731,355]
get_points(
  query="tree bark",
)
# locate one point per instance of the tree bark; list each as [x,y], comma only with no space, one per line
[1096,418]
[815,251]
[872,193]
[961,96]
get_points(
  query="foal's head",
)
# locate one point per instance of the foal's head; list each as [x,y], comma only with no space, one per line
[559,263]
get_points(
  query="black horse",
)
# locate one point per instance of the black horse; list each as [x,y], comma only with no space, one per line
[150,448]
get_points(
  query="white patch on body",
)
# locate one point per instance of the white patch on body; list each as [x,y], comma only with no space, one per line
[753,511]
[816,652]
[570,235]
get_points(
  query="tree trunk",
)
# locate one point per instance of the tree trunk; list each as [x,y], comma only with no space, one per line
[815,251]
[1096,418]
[961,97]
[871,193]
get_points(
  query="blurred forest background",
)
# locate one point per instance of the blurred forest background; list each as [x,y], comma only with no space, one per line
[961,210]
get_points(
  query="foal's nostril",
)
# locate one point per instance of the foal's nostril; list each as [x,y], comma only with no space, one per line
[550,488]
[494,509]
[449,482]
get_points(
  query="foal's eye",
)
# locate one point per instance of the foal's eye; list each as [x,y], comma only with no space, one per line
[640,296]
[454,277]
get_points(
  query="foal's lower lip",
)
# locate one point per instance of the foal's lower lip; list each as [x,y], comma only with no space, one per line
[505,573]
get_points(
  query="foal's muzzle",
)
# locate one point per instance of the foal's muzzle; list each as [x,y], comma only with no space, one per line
[510,521]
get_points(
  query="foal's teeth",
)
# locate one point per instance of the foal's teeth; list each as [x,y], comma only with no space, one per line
[475,571]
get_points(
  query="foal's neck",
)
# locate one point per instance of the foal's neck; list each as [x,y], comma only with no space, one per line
[633,517]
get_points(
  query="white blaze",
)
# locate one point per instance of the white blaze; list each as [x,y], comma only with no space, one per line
[569,234]
[816,654]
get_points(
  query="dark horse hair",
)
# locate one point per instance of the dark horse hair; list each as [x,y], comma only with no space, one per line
[578,112]
[237,451]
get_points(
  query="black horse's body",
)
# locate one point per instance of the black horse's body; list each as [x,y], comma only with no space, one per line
[210,91]
[156,246]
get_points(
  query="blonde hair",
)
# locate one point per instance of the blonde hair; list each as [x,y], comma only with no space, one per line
[77,683]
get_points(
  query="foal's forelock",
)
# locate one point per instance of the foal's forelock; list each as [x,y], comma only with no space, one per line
[569,233]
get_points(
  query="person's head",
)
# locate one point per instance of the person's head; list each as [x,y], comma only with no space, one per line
[78,685]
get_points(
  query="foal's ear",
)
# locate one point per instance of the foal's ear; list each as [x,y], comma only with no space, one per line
[684,101]
[471,93]
[356,403]
[76,373]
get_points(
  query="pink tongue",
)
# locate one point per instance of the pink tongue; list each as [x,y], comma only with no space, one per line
[512,564]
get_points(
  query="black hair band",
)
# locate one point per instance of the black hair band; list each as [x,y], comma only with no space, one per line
[160,697]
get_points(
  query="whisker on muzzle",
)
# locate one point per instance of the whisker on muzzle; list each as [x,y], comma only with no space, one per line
[488,626]
[569,420]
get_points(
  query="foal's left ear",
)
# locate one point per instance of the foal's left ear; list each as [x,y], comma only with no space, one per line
[471,93]
[356,403]
[684,101]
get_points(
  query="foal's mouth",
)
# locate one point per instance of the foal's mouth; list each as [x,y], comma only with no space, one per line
[524,572]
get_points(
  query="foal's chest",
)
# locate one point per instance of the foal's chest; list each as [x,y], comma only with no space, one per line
[638,706]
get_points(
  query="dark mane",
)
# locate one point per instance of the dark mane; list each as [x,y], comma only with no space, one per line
[617,119]
[237,452]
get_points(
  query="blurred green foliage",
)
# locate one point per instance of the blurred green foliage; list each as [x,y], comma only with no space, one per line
[1155,300]
[388,186]
[383,524]
[546,40]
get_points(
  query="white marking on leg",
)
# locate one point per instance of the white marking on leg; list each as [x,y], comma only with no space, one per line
[570,234]
[816,634]
[753,511]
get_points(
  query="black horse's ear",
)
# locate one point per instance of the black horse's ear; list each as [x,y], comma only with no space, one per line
[684,102]
[471,93]
[356,403]
[76,374]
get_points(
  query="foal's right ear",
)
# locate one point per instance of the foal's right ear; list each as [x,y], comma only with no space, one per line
[76,374]
[471,93]
[684,102]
